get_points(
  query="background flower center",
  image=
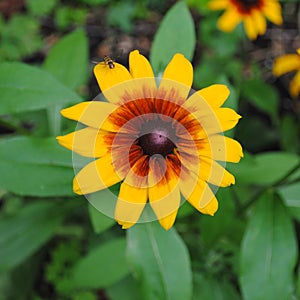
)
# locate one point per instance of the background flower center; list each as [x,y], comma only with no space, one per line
[246,5]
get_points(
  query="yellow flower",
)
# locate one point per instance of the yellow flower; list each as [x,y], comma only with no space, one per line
[251,12]
[155,137]
[288,63]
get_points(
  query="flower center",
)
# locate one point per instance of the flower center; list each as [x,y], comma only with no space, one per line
[157,138]
[245,6]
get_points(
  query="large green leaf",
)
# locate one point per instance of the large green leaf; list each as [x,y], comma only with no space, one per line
[26,88]
[264,169]
[207,287]
[176,34]
[221,225]
[22,234]
[68,59]
[126,289]
[268,252]
[161,262]
[100,221]
[291,197]
[35,167]
[103,266]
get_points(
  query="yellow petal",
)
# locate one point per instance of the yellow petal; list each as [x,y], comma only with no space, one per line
[218,4]
[178,76]
[212,120]
[168,222]
[90,113]
[214,173]
[295,85]
[272,10]
[141,70]
[215,94]
[164,195]
[260,22]
[221,119]
[210,208]
[96,176]
[197,193]
[286,63]
[221,148]
[130,204]
[250,27]
[112,82]
[108,77]
[229,20]
[227,117]
[86,142]
[139,65]
[202,112]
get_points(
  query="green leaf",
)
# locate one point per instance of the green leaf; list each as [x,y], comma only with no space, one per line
[264,169]
[161,262]
[67,16]
[120,15]
[26,88]
[68,59]
[289,134]
[176,34]
[261,95]
[221,225]
[126,289]
[104,202]
[208,287]
[103,266]
[268,252]
[35,167]
[290,194]
[99,221]
[23,234]
[35,7]
[16,44]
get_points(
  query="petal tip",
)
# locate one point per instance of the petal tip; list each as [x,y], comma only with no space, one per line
[125,225]
[76,188]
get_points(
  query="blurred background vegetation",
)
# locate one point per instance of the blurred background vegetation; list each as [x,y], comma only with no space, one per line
[53,245]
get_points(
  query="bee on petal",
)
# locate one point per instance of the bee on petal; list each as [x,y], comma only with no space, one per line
[108,61]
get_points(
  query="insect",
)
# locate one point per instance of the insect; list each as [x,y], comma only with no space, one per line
[109,61]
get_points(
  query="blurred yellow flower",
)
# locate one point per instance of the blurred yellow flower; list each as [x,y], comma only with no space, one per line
[288,63]
[252,12]
[158,139]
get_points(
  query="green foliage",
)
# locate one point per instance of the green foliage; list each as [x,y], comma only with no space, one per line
[289,129]
[65,16]
[35,8]
[213,288]
[176,34]
[29,88]
[49,166]
[99,221]
[14,44]
[262,95]
[264,252]
[67,60]
[103,266]
[59,270]
[120,15]
[265,169]
[57,246]
[126,289]
[150,250]
[28,230]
